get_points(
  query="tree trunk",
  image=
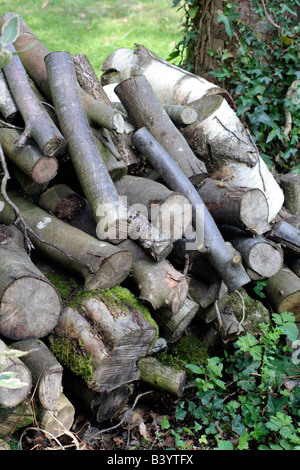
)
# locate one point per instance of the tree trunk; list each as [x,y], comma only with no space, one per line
[161,376]
[260,255]
[167,210]
[45,370]
[145,110]
[100,264]
[109,336]
[220,255]
[11,397]
[28,157]
[283,292]
[159,283]
[290,184]
[229,149]
[30,305]
[38,124]
[8,107]
[173,324]
[246,208]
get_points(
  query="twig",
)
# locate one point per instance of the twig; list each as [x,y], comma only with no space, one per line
[268,17]
[243,317]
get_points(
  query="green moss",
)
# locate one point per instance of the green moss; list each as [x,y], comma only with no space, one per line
[72,355]
[188,350]
[66,285]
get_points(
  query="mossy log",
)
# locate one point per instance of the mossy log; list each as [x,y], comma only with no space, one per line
[28,158]
[59,422]
[12,397]
[260,255]
[162,376]
[102,339]
[38,124]
[167,210]
[223,258]
[8,107]
[12,419]
[290,184]
[283,292]
[99,263]
[246,208]
[145,110]
[172,325]
[46,372]
[30,305]
[158,282]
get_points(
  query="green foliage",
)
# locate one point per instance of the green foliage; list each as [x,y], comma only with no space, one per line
[261,74]
[9,34]
[9,379]
[241,401]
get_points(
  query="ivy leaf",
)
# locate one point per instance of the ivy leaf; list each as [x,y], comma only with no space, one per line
[228,19]
[224,445]
[10,30]
[165,424]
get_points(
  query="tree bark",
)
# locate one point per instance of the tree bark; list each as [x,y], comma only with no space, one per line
[30,305]
[38,124]
[290,184]
[8,107]
[260,255]
[287,235]
[173,324]
[59,422]
[161,376]
[229,148]
[24,183]
[159,283]
[246,208]
[46,372]
[170,212]
[100,264]
[112,333]
[28,157]
[220,255]
[283,292]
[11,397]
[145,110]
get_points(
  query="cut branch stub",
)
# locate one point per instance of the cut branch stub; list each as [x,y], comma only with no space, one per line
[221,256]
[38,124]
[30,306]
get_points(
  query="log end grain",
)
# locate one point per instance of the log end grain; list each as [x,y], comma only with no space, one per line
[45,170]
[173,216]
[13,397]
[254,211]
[265,259]
[30,307]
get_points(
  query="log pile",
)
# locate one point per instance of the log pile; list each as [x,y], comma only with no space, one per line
[148,191]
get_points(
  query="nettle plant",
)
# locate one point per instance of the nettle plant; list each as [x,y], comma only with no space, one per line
[241,401]
[261,72]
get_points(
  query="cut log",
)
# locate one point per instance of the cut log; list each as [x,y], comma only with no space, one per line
[220,140]
[28,157]
[99,263]
[167,210]
[173,325]
[181,115]
[159,283]
[38,124]
[283,292]
[110,155]
[12,397]
[161,376]
[30,306]
[12,419]
[287,235]
[260,255]
[246,208]
[46,372]
[210,298]
[8,107]
[101,406]
[24,182]
[61,421]
[104,343]
[145,110]
[290,184]
[221,256]
[32,57]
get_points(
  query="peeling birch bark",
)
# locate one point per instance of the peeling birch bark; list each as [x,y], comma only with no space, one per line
[231,150]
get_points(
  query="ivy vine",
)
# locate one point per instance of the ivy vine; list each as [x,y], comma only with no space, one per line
[261,72]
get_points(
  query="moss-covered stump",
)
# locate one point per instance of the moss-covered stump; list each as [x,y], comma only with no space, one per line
[101,336]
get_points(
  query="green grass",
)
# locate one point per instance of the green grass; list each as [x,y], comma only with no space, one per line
[96,28]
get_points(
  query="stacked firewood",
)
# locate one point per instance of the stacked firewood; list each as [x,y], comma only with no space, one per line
[147,179]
